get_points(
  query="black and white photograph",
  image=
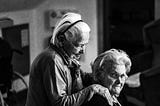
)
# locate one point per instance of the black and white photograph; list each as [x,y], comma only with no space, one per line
[79,52]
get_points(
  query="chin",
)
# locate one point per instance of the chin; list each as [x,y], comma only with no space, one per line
[116,93]
[77,57]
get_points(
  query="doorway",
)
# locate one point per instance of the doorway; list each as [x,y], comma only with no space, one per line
[123,21]
[18,37]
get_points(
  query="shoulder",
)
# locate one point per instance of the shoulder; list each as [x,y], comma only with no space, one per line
[48,55]
[97,100]
[87,78]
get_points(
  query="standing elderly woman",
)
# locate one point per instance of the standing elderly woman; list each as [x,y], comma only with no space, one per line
[110,70]
[55,77]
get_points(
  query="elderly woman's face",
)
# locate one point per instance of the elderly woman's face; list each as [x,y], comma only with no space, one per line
[115,79]
[77,47]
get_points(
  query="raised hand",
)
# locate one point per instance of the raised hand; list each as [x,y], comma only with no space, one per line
[134,80]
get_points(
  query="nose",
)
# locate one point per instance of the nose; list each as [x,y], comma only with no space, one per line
[82,51]
[120,80]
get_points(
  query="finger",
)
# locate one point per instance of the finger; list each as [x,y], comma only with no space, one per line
[108,97]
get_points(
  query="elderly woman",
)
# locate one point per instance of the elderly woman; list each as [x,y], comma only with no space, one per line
[55,77]
[110,70]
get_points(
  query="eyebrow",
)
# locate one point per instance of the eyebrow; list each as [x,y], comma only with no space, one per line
[117,73]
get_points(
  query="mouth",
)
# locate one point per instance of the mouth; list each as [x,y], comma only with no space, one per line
[77,56]
[116,90]
[118,86]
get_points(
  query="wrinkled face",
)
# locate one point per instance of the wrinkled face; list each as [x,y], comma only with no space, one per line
[75,48]
[115,79]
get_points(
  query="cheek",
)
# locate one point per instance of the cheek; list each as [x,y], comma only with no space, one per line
[112,81]
[75,50]
[109,82]
[68,48]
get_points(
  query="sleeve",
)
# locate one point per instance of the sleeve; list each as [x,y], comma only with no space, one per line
[56,88]
[87,78]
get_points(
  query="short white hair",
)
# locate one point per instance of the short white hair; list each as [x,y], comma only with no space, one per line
[66,21]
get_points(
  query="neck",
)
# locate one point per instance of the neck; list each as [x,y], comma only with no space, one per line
[72,61]
[115,100]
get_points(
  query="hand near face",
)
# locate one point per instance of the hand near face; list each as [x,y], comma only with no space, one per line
[134,80]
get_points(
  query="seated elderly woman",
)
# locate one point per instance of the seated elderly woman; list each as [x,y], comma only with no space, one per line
[110,70]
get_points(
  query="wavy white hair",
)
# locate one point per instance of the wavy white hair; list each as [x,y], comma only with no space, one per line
[108,60]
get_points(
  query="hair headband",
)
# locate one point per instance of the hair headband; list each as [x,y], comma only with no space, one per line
[71,26]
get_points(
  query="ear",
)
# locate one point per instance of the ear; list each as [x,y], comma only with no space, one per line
[100,77]
[61,38]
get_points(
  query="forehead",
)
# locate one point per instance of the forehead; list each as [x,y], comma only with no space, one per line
[83,38]
[120,69]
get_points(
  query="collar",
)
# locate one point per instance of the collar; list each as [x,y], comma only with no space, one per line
[115,101]
[71,63]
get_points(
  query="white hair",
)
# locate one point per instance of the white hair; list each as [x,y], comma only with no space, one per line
[66,21]
[108,60]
